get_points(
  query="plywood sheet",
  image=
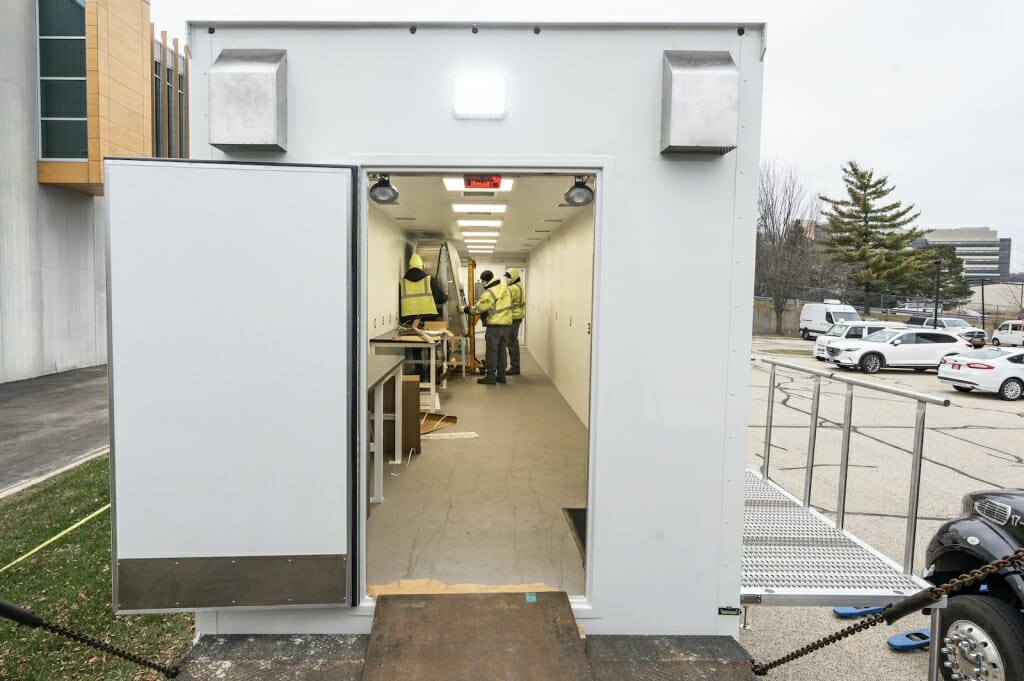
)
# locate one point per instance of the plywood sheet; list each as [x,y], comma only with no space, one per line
[468,637]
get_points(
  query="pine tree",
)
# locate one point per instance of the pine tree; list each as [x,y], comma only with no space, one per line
[868,234]
[953,286]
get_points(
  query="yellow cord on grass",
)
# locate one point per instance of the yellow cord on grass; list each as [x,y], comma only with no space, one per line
[49,541]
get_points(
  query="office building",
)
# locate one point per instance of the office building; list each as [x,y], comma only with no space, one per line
[985,254]
[80,81]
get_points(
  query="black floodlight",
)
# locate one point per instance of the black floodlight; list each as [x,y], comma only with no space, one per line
[579,194]
[383,192]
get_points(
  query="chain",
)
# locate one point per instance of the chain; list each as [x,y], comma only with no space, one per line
[169,672]
[895,611]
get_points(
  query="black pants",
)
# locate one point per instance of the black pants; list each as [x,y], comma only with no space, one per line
[497,347]
[513,344]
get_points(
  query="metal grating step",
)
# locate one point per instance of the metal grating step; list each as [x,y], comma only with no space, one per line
[794,556]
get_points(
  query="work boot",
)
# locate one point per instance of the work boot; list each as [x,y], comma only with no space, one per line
[486,380]
[512,372]
[501,379]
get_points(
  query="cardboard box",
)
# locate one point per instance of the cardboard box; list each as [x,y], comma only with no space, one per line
[410,415]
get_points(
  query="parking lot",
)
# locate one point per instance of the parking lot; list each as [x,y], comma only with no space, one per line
[973,444]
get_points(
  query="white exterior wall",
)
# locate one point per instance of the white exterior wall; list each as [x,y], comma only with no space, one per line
[666,465]
[559,300]
[52,278]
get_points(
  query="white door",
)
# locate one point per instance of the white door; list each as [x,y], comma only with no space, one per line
[231,333]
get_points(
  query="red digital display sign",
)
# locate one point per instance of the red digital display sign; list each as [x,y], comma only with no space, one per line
[482,181]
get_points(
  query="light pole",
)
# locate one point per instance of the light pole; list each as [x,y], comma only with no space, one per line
[935,314]
[983,305]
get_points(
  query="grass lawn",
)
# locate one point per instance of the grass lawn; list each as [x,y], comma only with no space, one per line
[68,583]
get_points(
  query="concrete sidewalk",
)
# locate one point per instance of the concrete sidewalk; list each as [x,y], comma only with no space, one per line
[50,422]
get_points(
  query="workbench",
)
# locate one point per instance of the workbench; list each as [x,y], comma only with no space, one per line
[381,345]
[378,370]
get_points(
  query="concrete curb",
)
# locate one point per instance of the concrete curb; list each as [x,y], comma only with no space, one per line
[35,481]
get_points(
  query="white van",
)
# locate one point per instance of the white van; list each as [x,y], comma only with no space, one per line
[852,331]
[818,318]
[1009,333]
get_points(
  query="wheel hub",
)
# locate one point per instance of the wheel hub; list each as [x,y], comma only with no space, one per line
[970,653]
[1013,390]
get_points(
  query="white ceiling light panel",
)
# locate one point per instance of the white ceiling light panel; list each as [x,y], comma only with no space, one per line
[479,223]
[479,207]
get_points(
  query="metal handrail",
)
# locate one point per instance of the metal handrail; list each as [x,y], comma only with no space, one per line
[922,399]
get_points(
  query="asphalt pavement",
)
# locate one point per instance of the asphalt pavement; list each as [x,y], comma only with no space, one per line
[973,444]
[50,422]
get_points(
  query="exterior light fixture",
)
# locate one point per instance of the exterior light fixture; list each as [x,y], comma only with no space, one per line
[383,191]
[579,194]
[479,95]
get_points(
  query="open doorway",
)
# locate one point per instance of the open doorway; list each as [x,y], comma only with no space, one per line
[493,491]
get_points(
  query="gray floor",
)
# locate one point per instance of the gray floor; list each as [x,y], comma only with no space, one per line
[50,421]
[488,510]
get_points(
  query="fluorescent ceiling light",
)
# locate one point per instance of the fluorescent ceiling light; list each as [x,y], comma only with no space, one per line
[480,250]
[478,207]
[458,184]
[480,95]
[479,223]
[481,241]
[472,234]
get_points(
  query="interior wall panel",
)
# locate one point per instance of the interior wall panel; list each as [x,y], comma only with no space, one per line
[558,306]
[385,265]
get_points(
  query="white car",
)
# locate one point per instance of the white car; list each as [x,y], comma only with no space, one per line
[1009,333]
[912,348]
[849,331]
[995,370]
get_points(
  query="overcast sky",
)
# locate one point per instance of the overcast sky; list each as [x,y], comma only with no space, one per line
[929,94]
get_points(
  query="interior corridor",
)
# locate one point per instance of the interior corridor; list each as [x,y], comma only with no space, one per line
[487,510]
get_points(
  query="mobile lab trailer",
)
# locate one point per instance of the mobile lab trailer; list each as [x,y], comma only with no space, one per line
[237,299]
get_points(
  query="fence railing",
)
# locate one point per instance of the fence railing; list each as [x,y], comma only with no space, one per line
[922,399]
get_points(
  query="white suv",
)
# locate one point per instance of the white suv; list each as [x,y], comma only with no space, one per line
[897,348]
[851,331]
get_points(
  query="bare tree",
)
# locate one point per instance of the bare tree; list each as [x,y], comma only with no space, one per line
[787,259]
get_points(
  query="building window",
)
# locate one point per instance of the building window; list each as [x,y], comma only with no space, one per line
[63,129]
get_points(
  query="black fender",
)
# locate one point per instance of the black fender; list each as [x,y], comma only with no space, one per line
[966,543]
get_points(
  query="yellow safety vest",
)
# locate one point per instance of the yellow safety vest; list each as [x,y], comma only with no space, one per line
[518,300]
[415,298]
[497,303]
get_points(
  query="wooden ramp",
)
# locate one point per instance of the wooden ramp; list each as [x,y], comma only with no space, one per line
[469,637]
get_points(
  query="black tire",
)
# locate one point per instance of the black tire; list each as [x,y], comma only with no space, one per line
[871,363]
[1011,390]
[805,334]
[820,359]
[995,342]
[963,388]
[920,368]
[985,626]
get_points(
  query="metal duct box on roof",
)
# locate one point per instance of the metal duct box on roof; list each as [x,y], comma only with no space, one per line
[700,102]
[249,100]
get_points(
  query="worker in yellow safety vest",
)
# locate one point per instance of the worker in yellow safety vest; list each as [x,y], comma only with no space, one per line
[518,295]
[419,298]
[495,310]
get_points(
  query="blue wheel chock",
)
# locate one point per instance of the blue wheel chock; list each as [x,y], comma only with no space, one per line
[847,612]
[911,640]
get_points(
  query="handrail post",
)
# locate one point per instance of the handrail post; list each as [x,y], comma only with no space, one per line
[812,441]
[915,489]
[844,459]
[768,424]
